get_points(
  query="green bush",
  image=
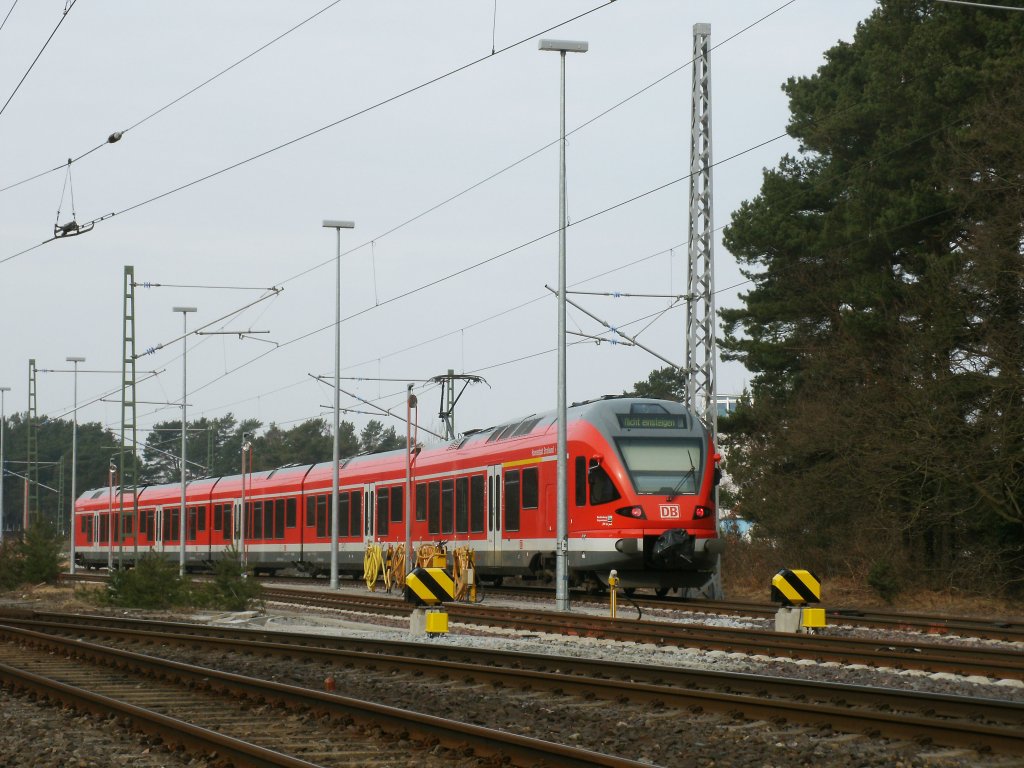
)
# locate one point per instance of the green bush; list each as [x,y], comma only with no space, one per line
[884,579]
[153,583]
[33,559]
[10,564]
[230,589]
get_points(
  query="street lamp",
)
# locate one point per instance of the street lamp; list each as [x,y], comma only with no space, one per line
[183,515]
[246,448]
[562,533]
[337,226]
[2,390]
[112,472]
[74,461]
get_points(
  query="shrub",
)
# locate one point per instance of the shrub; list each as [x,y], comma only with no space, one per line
[230,589]
[884,580]
[153,583]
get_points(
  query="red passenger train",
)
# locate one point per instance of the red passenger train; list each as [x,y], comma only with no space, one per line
[641,486]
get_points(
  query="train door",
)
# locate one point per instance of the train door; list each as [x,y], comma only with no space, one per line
[369,518]
[494,512]
[158,529]
[97,530]
[237,522]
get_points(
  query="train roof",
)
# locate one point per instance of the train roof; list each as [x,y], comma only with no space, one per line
[599,411]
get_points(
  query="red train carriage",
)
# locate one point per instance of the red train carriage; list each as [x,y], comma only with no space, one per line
[642,476]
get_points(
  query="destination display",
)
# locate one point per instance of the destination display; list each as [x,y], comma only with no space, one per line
[651,421]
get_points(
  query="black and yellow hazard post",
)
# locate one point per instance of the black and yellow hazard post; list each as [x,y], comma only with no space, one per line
[794,589]
[429,587]
[613,590]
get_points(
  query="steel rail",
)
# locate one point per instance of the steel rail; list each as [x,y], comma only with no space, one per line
[990,662]
[522,750]
[501,664]
[723,692]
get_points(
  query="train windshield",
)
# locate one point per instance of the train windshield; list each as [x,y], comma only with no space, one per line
[665,466]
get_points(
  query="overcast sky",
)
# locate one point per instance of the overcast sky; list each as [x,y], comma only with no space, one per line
[113,64]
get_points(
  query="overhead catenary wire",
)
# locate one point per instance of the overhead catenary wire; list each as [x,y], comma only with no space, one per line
[119,134]
[4,22]
[67,10]
[389,100]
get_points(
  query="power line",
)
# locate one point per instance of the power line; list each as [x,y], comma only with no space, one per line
[4,22]
[319,130]
[171,103]
[67,10]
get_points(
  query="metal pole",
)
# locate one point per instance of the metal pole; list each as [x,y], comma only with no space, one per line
[2,423]
[246,445]
[562,532]
[335,501]
[74,462]
[337,226]
[112,470]
[561,553]
[183,512]
[409,562]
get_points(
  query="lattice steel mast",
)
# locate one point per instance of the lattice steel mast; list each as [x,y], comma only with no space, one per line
[700,317]
[31,512]
[128,467]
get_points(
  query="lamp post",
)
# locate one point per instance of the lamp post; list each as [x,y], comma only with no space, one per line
[112,471]
[246,447]
[562,533]
[183,514]
[2,418]
[74,461]
[337,226]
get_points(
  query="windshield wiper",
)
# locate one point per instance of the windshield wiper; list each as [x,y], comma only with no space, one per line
[691,474]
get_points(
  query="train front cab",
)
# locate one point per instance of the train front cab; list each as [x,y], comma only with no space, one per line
[645,496]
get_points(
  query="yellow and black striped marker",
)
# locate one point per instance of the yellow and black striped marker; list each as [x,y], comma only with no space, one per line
[795,587]
[429,586]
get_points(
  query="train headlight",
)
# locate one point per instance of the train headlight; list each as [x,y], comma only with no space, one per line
[636,512]
[700,513]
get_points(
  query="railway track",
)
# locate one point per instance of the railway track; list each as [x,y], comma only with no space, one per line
[987,661]
[958,721]
[991,662]
[237,717]
[987,628]
[1007,630]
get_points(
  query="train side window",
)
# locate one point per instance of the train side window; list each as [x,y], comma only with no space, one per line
[476,503]
[462,505]
[602,489]
[434,508]
[343,527]
[171,515]
[530,490]
[447,505]
[310,511]
[397,506]
[192,523]
[490,503]
[581,481]
[227,523]
[321,516]
[356,514]
[512,500]
[421,502]
[278,518]
[200,519]
[383,510]
[289,511]
[268,519]
[256,516]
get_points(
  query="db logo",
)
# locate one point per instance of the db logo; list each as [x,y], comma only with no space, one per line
[669,511]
